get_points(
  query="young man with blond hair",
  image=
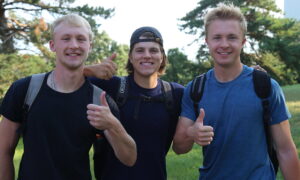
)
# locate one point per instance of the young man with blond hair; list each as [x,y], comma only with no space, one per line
[230,125]
[62,123]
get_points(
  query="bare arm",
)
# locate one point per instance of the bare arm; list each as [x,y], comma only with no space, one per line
[182,143]
[122,143]
[104,70]
[286,150]
[8,142]
[188,132]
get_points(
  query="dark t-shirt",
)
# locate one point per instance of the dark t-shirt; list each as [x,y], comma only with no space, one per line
[57,136]
[150,128]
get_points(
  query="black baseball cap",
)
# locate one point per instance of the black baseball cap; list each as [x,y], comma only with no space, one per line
[135,37]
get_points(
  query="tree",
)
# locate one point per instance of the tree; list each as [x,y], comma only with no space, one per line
[21,20]
[182,70]
[267,34]
[104,46]
[15,66]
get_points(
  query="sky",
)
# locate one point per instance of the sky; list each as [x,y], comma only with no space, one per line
[162,14]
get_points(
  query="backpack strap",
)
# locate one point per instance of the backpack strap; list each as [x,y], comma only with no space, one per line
[262,87]
[196,91]
[122,91]
[170,106]
[168,95]
[34,87]
[96,95]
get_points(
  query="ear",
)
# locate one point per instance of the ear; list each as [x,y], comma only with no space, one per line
[130,58]
[51,45]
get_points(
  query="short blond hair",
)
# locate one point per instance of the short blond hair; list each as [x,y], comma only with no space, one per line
[225,12]
[74,20]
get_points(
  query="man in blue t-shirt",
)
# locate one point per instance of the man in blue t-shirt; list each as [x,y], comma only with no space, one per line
[230,126]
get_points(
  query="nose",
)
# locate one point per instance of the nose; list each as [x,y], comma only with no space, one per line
[74,43]
[224,43]
[147,54]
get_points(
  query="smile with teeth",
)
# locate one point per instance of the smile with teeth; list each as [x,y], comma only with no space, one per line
[146,63]
[224,53]
[73,54]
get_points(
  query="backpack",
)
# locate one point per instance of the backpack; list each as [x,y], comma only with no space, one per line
[167,99]
[262,87]
[100,145]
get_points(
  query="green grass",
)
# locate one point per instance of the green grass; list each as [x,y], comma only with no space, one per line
[185,167]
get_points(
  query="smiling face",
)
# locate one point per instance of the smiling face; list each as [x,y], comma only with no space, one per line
[225,40]
[146,59]
[71,45]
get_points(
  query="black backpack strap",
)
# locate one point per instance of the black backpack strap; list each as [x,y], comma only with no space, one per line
[170,106]
[168,95]
[262,87]
[196,91]
[122,91]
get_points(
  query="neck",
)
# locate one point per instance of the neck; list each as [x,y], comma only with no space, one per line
[148,82]
[226,74]
[65,81]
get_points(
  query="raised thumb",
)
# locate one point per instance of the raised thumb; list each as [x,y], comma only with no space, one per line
[112,57]
[201,116]
[103,99]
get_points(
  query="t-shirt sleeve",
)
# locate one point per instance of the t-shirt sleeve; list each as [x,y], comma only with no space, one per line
[279,110]
[187,107]
[12,104]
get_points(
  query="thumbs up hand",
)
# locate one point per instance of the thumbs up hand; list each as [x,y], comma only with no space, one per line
[100,117]
[104,70]
[201,134]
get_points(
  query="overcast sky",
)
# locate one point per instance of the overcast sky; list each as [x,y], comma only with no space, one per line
[162,14]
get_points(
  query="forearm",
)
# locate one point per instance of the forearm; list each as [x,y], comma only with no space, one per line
[289,164]
[8,142]
[7,171]
[123,144]
[182,143]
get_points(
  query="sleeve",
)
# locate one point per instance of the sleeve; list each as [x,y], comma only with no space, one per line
[12,104]
[279,110]
[187,107]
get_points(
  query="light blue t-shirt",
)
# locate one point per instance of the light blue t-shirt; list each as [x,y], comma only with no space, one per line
[239,149]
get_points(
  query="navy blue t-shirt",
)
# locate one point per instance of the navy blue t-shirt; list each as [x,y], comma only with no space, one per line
[149,123]
[57,136]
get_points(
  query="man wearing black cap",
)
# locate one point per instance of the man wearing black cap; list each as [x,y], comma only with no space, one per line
[144,113]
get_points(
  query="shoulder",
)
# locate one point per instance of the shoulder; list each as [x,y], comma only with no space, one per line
[19,86]
[13,101]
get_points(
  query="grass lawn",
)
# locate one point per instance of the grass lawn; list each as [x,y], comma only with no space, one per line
[185,167]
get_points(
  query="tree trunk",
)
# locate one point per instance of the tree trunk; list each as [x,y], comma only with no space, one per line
[6,37]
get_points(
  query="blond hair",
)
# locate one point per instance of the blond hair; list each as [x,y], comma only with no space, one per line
[73,20]
[225,12]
